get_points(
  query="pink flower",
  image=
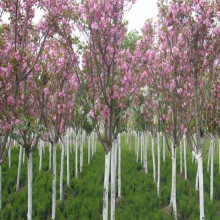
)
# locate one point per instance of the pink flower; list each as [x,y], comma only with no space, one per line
[17,122]
[46,91]
[94,26]
[17,56]
[92,113]
[10,100]
[105,111]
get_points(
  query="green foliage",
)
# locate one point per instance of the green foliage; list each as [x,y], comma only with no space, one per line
[83,199]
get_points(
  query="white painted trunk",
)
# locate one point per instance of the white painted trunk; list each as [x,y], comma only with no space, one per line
[219,153]
[76,157]
[68,162]
[138,143]
[158,163]
[173,187]
[181,157]
[185,154]
[135,144]
[54,182]
[164,148]
[23,155]
[40,155]
[9,156]
[106,186]
[30,180]
[209,156]
[113,182]
[145,153]
[0,186]
[19,169]
[194,147]
[92,144]
[201,187]
[119,165]
[212,169]
[50,155]
[61,172]
[153,158]
[89,149]
[81,153]
[141,147]
[197,180]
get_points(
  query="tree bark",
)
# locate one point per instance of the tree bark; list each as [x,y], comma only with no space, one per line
[201,186]
[185,155]
[106,186]
[153,158]
[61,172]
[212,169]
[173,187]
[181,157]
[164,148]
[54,182]
[30,180]
[68,161]
[9,156]
[113,182]
[81,153]
[145,152]
[50,155]
[19,169]
[209,157]
[158,163]
[119,166]
[89,149]
[76,157]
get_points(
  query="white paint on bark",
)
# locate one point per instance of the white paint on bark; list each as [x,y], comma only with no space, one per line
[76,157]
[185,156]
[119,165]
[153,158]
[61,171]
[106,186]
[158,163]
[30,180]
[173,187]
[19,169]
[89,149]
[164,148]
[113,182]
[212,168]
[54,182]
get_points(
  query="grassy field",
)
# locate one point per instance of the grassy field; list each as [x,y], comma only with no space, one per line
[83,199]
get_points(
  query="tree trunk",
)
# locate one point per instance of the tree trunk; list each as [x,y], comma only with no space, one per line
[158,163]
[209,156]
[145,153]
[54,181]
[138,143]
[81,153]
[76,157]
[40,155]
[113,182]
[153,158]
[92,144]
[212,169]
[30,180]
[119,165]
[89,149]
[0,186]
[9,156]
[141,147]
[50,155]
[68,161]
[197,180]
[61,172]
[23,155]
[173,187]
[106,186]
[19,169]
[181,157]
[201,186]
[164,148]
[185,154]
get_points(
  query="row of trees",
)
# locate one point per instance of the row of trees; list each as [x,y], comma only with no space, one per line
[51,79]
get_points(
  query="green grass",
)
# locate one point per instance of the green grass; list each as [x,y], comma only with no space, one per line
[83,199]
